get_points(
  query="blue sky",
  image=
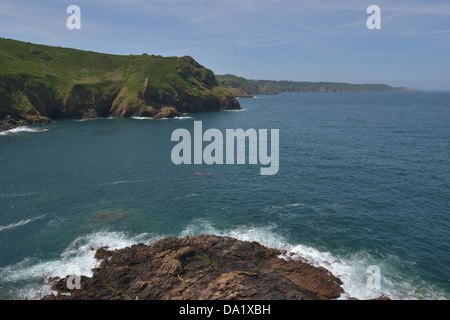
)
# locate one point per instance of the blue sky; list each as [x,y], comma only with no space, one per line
[258,39]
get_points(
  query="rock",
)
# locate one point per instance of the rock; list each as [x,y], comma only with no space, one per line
[102,253]
[201,267]
[383,297]
[38,120]
[6,125]
[167,113]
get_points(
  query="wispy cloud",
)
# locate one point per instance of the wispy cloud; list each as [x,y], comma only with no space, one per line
[327,37]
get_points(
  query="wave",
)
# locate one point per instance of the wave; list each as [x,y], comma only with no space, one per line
[350,268]
[87,119]
[22,129]
[122,182]
[239,110]
[176,118]
[18,224]
[142,118]
[77,259]
[183,118]
[150,118]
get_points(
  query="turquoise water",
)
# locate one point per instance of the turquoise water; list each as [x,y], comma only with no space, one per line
[364,179]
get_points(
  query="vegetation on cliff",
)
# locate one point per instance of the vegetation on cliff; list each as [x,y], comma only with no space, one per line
[242,87]
[39,83]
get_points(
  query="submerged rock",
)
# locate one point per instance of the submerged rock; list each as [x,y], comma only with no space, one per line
[202,267]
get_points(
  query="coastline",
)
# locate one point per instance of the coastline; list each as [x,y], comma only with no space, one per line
[202,267]
[5,126]
[9,124]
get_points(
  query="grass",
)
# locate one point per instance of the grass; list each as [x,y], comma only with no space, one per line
[38,80]
[242,86]
[123,295]
[206,259]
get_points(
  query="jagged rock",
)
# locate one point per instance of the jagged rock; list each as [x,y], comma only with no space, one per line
[6,125]
[167,113]
[201,267]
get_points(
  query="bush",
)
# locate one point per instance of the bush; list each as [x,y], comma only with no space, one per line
[46,56]
[34,51]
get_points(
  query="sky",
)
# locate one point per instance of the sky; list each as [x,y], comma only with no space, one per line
[318,40]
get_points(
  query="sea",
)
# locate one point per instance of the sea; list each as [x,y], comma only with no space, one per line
[363,181]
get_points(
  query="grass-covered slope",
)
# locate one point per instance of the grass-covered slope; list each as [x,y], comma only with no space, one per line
[40,82]
[242,87]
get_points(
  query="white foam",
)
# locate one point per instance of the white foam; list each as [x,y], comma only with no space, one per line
[183,118]
[87,119]
[18,224]
[295,205]
[150,118]
[176,118]
[126,181]
[264,235]
[22,129]
[79,255]
[142,118]
[351,269]
[239,110]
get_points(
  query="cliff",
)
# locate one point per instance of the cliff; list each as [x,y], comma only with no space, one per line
[41,83]
[202,267]
[242,87]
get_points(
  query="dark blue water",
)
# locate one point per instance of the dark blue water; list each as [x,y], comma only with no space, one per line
[364,179]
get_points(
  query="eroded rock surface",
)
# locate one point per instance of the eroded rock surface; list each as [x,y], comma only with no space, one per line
[201,267]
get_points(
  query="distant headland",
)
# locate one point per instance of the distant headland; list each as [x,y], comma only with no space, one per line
[245,88]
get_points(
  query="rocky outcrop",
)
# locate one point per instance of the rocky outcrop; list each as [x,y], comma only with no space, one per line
[201,267]
[9,123]
[5,126]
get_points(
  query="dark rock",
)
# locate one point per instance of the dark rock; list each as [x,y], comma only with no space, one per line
[6,125]
[201,267]
[167,113]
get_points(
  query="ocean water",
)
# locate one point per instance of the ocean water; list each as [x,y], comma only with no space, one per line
[364,179]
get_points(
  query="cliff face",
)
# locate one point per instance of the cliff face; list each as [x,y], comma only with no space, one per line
[39,83]
[201,267]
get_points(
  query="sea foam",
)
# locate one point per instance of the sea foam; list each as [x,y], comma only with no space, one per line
[351,269]
[18,224]
[21,130]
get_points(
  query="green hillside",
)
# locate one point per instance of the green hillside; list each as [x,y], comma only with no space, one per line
[242,87]
[38,83]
